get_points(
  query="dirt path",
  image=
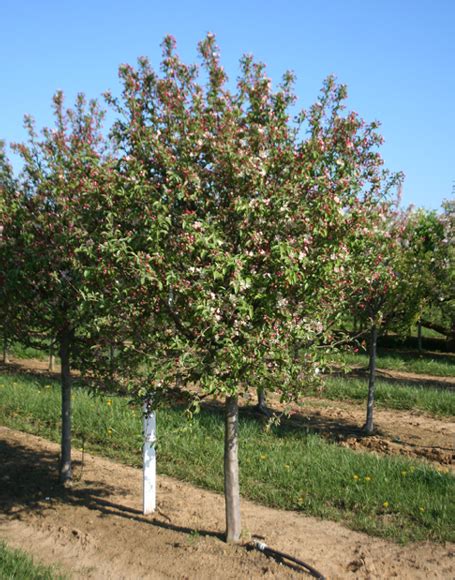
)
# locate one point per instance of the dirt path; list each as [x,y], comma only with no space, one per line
[420,378]
[95,529]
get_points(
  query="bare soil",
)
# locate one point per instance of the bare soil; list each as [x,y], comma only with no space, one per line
[95,529]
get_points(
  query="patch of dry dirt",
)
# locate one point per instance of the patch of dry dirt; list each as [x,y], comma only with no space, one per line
[96,530]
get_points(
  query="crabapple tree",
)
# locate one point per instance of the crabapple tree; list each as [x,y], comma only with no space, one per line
[63,168]
[230,230]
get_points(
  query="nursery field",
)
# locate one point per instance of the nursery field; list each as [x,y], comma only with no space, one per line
[222,287]
[396,486]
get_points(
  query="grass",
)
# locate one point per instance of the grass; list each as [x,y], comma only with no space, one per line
[442,365]
[18,350]
[406,396]
[285,467]
[426,332]
[16,565]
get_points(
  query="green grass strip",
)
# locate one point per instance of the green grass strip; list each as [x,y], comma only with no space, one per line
[17,565]
[406,396]
[442,365]
[18,350]
[285,467]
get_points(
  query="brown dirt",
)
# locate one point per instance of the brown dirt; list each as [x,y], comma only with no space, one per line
[95,528]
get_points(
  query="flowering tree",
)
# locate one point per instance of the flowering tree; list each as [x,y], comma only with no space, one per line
[62,170]
[392,277]
[230,229]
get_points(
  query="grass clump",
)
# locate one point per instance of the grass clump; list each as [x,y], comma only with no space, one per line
[17,565]
[283,467]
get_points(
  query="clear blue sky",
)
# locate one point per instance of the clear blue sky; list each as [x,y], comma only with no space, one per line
[396,56]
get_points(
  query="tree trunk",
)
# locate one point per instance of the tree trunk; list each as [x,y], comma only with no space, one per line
[451,337]
[262,405]
[419,335]
[369,425]
[231,470]
[65,355]
[51,358]
[5,347]
[111,362]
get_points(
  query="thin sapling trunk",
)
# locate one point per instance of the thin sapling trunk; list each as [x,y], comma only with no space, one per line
[5,346]
[419,335]
[262,405]
[369,424]
[51,358]
[65,354]
[231,470]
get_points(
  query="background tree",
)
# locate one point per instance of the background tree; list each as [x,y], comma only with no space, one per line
[438,239]
[393,272]
[62,171]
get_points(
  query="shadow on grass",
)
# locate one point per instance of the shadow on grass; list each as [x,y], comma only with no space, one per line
[41,375]
[409,355]
[29,482]
[300,424]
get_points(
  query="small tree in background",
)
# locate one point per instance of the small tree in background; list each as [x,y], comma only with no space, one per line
[389,280]
[52,222]
[438,243]
[230,231]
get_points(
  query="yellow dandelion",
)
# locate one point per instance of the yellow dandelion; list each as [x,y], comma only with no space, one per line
[263,457]
[355,476]
[287,467]
[404,473]
[386,504]
[367,478]
[109,432]
[109,402]
[422,509]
